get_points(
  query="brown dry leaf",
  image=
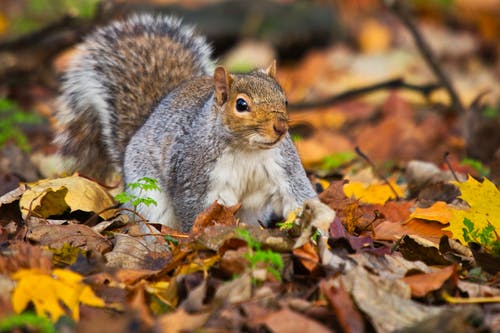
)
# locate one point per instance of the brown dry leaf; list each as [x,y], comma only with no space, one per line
[379,296]
[394,211]
[233,262]
[235,291]
[216,214]
[181,321]
[135,253]
[215,236]
[346,312]
[49,197]
[347,209]
[308,256]
[418,248]
[13,195]
[77,235]
[422,284]
[24,255]
[139,304]
[286,320]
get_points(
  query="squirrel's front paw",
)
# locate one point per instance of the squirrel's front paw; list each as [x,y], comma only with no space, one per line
[321,215]
[315,216]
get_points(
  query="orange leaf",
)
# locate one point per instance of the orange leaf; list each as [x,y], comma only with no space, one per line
[308,256]
[439,212]
[215,214]
[421,284]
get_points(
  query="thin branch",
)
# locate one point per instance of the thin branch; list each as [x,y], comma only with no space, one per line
[447,161]
[401,11]
[379,175]
[397,83]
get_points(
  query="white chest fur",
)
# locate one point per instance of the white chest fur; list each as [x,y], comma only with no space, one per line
[255,179]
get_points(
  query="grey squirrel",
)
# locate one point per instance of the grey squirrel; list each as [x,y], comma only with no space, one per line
[142,97]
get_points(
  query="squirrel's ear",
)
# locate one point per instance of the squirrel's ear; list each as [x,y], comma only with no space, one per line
[222,82]
[271,69]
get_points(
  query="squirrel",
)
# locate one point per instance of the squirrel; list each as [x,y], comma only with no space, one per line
[143,97]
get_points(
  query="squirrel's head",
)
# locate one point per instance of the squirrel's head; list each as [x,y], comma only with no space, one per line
[253,106]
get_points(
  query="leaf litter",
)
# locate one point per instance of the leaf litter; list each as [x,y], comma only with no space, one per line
[386,263]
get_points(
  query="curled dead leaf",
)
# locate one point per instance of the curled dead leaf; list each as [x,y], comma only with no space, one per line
[50,197]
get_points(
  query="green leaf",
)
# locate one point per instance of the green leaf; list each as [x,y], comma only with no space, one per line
[25,320]
[336,160]
[476,165]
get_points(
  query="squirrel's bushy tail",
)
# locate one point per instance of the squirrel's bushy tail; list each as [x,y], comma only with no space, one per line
[119,75]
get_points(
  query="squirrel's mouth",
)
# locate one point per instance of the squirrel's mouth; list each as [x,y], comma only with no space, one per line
[268,144]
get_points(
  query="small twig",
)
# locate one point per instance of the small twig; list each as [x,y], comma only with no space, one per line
[377,216]
[379,175]
[401,12]
[142,218]
[397,83]
[447,161]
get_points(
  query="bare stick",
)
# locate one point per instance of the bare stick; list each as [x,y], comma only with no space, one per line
[401,12]
[397,83]
[379,175]
[447,161]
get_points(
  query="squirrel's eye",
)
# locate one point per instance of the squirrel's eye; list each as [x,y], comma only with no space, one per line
[241,105]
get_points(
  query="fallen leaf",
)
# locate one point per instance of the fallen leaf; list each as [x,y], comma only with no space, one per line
[13,195]
[308,256]
[347,209]
[439,211]
[372,193]
[235,291]
[286,320]
[484,201]
[134,253]
[345,310]
[77,235]
[45,291]
[429,230]
[422,284]
[50,197]
[378,296]
[198,264]
[487,261]
[24,255]
[416,248]
[215,214]
[181,321]
[341,241]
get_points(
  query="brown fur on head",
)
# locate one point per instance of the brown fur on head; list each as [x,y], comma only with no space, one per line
[252,106]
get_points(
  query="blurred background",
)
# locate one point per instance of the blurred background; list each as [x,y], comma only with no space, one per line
[354,74]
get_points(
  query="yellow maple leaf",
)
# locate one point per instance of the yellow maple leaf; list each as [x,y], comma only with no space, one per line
[439,212]
[372,193]
[49,197]
[47,291]
[484,201]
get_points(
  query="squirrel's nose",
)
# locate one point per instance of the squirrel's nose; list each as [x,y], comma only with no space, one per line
[280,126]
